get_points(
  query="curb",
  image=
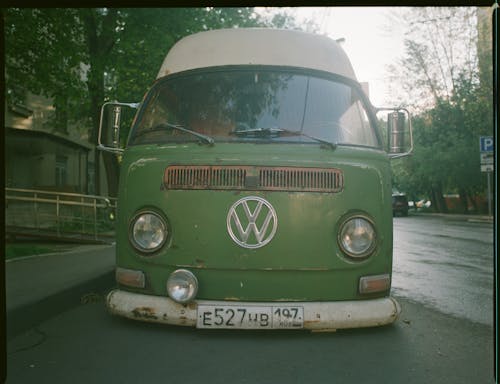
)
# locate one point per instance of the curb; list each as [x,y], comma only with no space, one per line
[77,249]
[457,217]
[25,317]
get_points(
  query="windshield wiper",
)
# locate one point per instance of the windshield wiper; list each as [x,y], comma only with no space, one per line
[166,126]
[257,131]
[277,131]
[329,144]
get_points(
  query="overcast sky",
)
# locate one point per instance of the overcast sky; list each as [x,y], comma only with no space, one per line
[368,44]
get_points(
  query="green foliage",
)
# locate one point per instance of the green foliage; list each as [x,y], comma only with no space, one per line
[82,57]
[446,132]
[37,59]
[147,36]
[446,153]
[72,55]
[137,57]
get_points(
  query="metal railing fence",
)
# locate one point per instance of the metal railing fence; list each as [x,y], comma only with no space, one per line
[63,214]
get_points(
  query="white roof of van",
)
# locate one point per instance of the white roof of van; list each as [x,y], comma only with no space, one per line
[257,46]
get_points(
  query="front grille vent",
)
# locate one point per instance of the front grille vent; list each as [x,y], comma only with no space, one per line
[301,179]
[204,177]
[291,179]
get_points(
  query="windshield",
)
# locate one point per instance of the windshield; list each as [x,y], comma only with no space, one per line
[254,105]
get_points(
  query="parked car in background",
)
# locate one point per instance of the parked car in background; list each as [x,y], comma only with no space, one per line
[399,204]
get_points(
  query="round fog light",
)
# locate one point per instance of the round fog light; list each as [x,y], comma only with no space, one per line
[182,286]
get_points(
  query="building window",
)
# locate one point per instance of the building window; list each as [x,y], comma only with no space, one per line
[61,171]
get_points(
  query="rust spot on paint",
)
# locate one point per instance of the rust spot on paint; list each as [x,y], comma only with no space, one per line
[307,322]
[145,313]
[200,263]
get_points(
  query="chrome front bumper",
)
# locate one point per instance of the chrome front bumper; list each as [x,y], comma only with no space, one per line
[318,316]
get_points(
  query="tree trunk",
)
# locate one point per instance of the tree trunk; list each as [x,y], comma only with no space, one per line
[464,200]
[61,118]
[473,201]
[434,202]
[99,46]
[437,199]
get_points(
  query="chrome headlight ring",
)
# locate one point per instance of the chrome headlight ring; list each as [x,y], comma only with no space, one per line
[357,237]
[148,231]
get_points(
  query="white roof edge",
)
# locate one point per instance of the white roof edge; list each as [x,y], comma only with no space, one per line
[257,46]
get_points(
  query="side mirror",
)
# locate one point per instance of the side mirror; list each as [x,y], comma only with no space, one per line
[396,132]
[399,132]
[115,119]
[111,116]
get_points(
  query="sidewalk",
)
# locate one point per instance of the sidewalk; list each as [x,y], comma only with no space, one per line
[458,217]
[38,287]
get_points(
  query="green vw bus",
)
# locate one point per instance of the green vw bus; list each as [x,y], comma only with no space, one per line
[255,189]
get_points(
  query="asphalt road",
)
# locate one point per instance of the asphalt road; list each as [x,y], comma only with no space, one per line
[86,345]
[445,264]
[442,275]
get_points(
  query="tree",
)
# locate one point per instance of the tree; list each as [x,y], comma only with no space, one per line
[83,57]
[440,45]
[37,43]
[453,104]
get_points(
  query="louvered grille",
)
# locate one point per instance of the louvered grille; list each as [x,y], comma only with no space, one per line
[301,179]
[205,177]
[254,178]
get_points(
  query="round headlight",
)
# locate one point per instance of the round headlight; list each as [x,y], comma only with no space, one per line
[149,232]
[357,237]
[182,286]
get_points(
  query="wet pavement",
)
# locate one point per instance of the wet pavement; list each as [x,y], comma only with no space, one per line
[446,265]
[443,279]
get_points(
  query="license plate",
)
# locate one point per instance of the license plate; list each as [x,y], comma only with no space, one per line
[250,316]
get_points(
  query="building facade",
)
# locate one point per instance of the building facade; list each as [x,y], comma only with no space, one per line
[36,157]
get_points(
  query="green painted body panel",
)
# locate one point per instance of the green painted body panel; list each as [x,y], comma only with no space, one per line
[302,262]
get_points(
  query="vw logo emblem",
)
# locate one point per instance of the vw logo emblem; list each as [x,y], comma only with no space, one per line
[252,222]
